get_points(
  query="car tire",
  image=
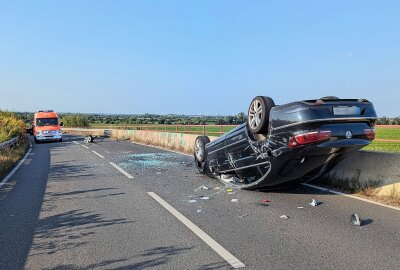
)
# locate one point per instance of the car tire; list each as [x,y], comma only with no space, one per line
[60,140]
[200,148]
[88,139]
[258,114]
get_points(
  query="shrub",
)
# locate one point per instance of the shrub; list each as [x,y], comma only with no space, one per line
[10,126]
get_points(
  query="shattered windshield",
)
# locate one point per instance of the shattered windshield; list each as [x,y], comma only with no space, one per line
[40,122]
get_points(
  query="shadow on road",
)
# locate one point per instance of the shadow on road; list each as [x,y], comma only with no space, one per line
[20,209]
[68,230]
[154,257]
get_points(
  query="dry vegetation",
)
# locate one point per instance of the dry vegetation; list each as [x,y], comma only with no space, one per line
[9,156]
[11,127]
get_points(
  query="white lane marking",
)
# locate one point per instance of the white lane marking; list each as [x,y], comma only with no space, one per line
[309,185]
[226,255]
[350,196]
[84,146]
[80,144]
[97,154]
[16,167]
[121,170]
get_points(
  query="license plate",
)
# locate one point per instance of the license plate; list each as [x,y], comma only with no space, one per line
[346,110]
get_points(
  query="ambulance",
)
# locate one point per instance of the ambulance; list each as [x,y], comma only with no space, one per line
[46,126]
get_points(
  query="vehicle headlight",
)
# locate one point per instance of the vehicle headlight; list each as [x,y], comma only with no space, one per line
[39,132]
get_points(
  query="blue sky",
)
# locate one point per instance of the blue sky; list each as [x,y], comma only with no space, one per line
[196,57]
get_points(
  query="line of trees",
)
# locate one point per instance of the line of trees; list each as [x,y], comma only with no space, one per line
[76,120]
[388,121]
[84,120]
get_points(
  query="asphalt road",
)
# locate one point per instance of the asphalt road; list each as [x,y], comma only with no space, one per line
[123,206]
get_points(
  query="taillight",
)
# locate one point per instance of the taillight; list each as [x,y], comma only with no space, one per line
[310,137]
[369,133]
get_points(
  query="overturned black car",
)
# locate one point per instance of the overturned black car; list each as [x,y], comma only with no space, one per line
[287,144]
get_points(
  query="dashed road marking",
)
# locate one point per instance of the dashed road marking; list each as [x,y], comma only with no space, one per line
[121,170]
[80,144]
[226,255]
[97,154]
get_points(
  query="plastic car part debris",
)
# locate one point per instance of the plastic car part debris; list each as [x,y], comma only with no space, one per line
[355,220]
[314,202]
[300,207]
[229,190]
[205,198]
[192,201]
[266,200]
[200,210]
[217,188]
[284,217]
[235,200]
[226,178]
[203,187]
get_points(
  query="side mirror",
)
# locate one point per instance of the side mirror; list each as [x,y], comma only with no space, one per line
[61,124]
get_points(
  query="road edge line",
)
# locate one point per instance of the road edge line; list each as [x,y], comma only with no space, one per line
[220,250]
[121,170]
[350,196]
[2,183]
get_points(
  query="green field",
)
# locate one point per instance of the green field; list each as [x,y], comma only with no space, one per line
[388,133]
[383,147]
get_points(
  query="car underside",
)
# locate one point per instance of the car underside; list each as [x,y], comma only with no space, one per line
[288,144]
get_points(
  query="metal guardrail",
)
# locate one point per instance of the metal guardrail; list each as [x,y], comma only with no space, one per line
[8,143]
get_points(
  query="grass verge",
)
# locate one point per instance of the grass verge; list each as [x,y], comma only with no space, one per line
[10,156]
[366,190]
[383,147]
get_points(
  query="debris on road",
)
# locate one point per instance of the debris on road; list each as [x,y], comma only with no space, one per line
[266,200]
[192,201]
[203,187]
[235,200]
[158,172]
[284,217]
[300,207]
[200,210]
[314,202]
[243,216]
[217,188]
[205,198]
[355,220]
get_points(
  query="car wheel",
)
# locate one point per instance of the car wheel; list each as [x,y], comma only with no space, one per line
[60,140]
[200,148]
[88,139]
[258,114]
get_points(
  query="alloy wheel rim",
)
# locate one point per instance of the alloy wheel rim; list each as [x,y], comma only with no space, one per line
[255,114]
